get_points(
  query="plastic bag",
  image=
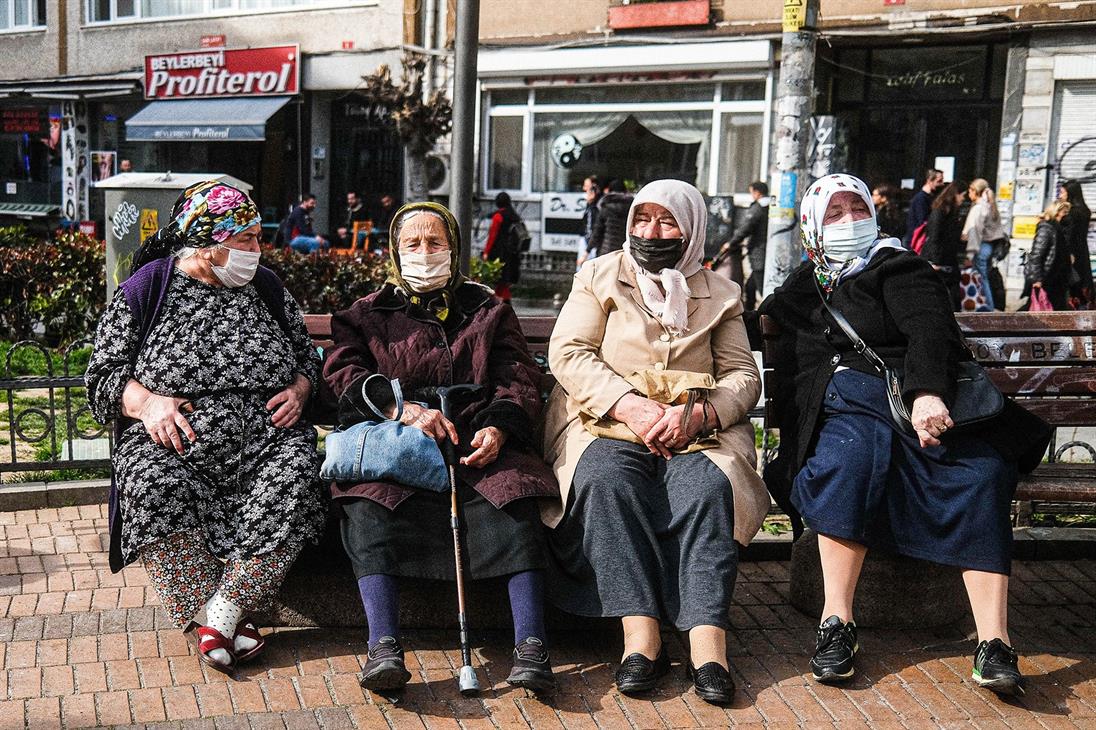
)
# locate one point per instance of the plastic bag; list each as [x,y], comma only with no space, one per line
[1040,302]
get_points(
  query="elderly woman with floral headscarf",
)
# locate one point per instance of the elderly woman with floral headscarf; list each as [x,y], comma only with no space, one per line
[941,495]
[648,435]
[430,327]
[203,361]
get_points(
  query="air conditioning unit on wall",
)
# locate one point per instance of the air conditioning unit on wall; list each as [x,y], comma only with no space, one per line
[437,173]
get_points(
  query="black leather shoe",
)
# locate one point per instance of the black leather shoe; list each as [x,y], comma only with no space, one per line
[385,671]
[637,673]
[712,683]
[532,667]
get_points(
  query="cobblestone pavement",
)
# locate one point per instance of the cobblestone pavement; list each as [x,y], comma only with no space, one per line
[82,647]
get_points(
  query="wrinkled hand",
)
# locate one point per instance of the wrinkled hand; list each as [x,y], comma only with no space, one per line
[429,421]
[640,415]
[930,419]
[287,406]
[668,430]
[487,442]
[1037,285]
[163,419]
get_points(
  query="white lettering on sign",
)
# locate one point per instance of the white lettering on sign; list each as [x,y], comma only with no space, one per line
[123,219]
[240,72]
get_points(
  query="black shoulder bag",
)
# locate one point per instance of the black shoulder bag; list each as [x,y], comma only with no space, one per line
[977,399]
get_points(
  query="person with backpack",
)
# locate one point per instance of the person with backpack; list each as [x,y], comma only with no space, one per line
[943,239]
[921,207]
[203,362]
[506,240]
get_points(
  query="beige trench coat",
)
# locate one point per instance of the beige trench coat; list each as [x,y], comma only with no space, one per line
[605,333]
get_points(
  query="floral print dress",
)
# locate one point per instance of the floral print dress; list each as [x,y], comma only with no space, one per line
[245,486]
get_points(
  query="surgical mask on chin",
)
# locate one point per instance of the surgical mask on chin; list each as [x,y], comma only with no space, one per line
[425,272]
[239,269]
[844,241]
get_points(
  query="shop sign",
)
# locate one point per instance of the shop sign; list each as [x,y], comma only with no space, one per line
[88,228]
[213,41]
[561,223]
[24,120]
[273,71]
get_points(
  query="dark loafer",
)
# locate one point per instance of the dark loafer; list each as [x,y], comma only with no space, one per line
[637,673]
[532,667]
[712,683]
[385,671]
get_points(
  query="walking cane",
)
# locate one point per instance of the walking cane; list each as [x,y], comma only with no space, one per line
[468,682]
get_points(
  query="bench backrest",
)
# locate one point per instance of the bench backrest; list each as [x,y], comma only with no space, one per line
[1045,360]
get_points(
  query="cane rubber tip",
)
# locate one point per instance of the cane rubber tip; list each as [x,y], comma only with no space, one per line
[469,682]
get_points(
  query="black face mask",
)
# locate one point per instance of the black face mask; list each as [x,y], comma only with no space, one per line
[656,254]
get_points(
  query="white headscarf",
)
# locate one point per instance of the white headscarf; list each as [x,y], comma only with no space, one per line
[686,205]
[813,212]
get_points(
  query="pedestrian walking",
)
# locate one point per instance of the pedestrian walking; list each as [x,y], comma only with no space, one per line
[592,189]
[1075,228]
[504,243]
[610,232]
[921,204]
[1048,265]
[944,238]
[754,232]
[986,240]
[891,221]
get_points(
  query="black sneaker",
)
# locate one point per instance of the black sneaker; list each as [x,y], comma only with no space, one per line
[995,668]
[637,673]
[834,650]
[532,667]
[385,670]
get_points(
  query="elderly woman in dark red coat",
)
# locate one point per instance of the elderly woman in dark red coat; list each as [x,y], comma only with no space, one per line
[429,327]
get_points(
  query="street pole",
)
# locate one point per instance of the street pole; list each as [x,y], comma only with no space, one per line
[788,172]
[463,164]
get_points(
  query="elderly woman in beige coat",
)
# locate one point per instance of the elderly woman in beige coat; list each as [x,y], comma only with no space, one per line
[648,436]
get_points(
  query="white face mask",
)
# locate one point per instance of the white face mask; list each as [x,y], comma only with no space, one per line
[239,269]
[425,272]
[844,241]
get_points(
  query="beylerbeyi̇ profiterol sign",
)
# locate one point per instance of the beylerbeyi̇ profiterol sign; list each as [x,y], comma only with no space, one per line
[221,72]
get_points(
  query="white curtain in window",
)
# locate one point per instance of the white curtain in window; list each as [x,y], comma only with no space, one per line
[169,8]
[587,127]
[684,128]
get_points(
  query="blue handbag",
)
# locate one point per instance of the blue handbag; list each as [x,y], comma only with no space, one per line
[384,450]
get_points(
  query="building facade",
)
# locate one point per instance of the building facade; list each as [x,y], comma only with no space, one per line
[75,100]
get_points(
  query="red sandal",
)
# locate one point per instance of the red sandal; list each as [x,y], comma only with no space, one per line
[247,629]
[206,640]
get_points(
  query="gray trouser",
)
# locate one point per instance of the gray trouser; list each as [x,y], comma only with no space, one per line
[646,537]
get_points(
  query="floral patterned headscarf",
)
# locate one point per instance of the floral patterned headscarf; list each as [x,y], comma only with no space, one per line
[813,212]
[213,212]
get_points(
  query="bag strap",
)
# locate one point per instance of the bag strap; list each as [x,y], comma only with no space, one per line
[396,390]
[858,343]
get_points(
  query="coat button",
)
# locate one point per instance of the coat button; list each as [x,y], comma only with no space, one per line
[835,359]
[664,338]
[439,343]
[833,396]
[659,366]
[827,332]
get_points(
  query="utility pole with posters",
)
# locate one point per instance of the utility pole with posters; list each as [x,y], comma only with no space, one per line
[464,122]
[789,173]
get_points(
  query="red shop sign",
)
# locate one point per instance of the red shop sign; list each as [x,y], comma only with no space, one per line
[273,71]
[24,120]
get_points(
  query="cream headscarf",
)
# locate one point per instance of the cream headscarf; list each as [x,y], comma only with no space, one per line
[686,205]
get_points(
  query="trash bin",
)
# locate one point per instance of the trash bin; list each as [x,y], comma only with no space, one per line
[137,205]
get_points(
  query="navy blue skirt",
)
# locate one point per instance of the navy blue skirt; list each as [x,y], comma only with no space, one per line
[871,483]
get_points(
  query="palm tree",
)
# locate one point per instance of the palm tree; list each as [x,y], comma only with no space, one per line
[420,121]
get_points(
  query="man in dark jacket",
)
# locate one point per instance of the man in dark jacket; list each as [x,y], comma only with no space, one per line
[612,219]
[921,203]
[299,232]
[592,190]
[753,228]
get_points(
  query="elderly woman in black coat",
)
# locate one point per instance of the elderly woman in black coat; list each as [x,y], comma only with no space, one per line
[941,495]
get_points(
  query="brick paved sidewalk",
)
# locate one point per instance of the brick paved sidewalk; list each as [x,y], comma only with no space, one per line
[82,647]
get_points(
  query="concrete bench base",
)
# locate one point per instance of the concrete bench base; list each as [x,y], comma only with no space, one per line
[893,592]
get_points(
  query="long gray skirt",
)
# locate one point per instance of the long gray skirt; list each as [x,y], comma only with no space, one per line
[643,536]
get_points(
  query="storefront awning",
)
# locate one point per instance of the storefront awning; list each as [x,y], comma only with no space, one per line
[204,120]
[98,86]
[29,210]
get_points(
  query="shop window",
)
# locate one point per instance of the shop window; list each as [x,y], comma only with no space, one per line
[105,11]
[506,148]
[629,93]
[638,147]
[507,97]
[743,91]
[739,152]
[20,14]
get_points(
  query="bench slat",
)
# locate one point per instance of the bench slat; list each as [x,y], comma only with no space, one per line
[537,329]
[319,325]
[1032,348]
[1062,411]
[1058,483]
[1048,380]
[1011,322]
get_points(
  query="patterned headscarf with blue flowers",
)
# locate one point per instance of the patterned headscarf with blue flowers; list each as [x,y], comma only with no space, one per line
[212,212]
